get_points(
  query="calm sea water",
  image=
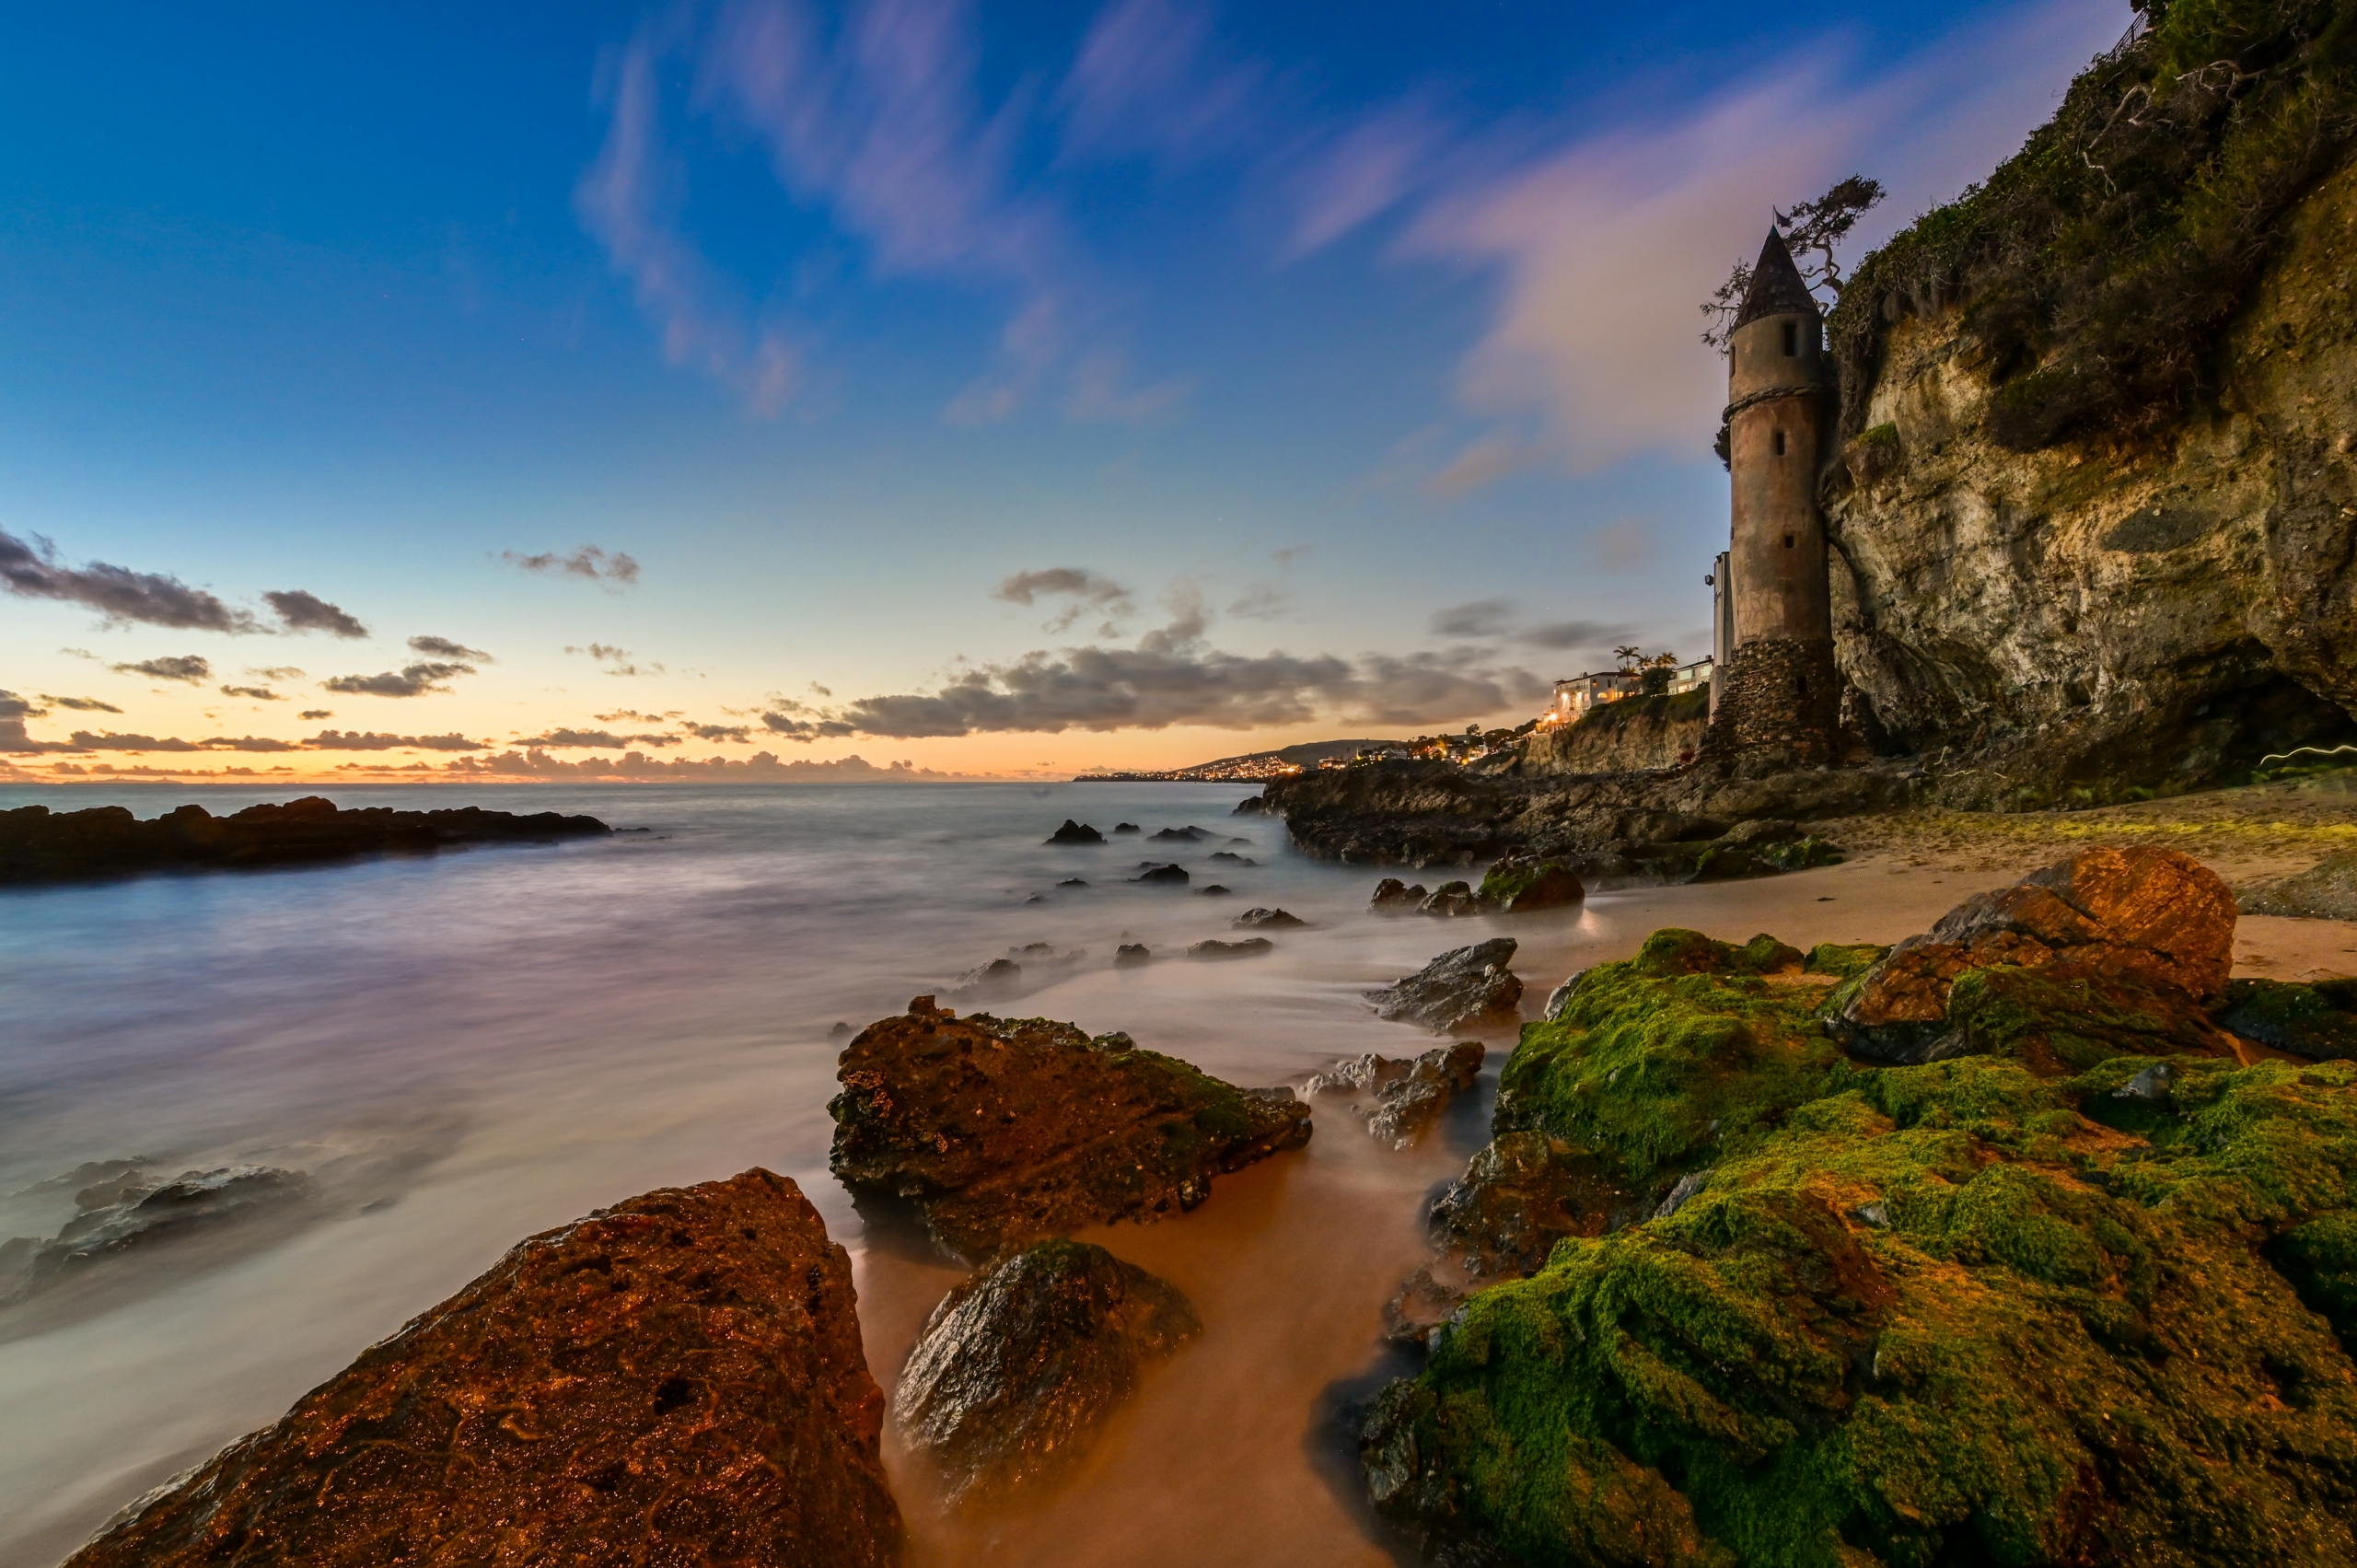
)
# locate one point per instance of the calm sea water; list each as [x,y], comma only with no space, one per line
[466,1048]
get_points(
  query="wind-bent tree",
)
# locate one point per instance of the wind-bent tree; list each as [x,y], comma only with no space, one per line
[1811,230]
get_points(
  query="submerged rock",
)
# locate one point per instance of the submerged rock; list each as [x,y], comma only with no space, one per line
[1248,947]
[1187,835]
[998,978]
[1398,1098]
[1452,898]
[2136,943]
[1214,892]
[1395,897]
[1127,828]
[1268,920]
[1518,884]
[1129,953]
[1230,857]
[1172,875]
[1002,1132]
[677,1380]
[1072,882]
[39,845]
[2326,890]
[1073,832]
[1467,988]
[129,1210]
[1020,1366]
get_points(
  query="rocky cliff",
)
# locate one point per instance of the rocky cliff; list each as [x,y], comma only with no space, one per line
[1634,735]
[2095,520]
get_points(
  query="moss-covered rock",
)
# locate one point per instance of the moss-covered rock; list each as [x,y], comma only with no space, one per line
[2317,1021]
[1517,884]
[1972,1310]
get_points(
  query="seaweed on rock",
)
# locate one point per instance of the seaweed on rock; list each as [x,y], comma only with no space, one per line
[1966,1310]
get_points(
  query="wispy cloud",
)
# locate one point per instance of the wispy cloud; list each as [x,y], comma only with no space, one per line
[1085,591]
[193,669]
[1150,78]
[308,612]
[443,648]
[411,680]
[82,705]
[368,740]
[595,739]
[586,562]
[122,595]
[616,660]
[258,694]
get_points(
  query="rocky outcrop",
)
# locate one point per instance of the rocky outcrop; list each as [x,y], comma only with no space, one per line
[1961,1311]
[1004,1132]
[2326,890]
[1020,1364]
[135,1211]
[675,1379]
[1264,919]
[1467,988]
[2095,615]
[39,845]
[1398,1098]
[1608,830]
[1395,897]
[1073,832]
[1635,735]
[2134,944]
[1157,873]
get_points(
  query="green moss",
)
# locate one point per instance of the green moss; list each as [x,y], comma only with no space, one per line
[2308,1020]
[1914,1315]
[1848,959]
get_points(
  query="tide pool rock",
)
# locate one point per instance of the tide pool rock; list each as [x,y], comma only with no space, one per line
[2326,890]
[676,1379]
[2143,939]
[1519,884]
[1002,1132]
[1398,1098]
[1020,1364]
[1465,988]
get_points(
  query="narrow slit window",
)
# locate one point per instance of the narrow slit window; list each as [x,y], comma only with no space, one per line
[1792,340]
[1804,680]
[1788,541]
[1780,443]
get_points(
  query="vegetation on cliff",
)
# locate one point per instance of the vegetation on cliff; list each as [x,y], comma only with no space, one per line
[2098,265]
[1989,1308]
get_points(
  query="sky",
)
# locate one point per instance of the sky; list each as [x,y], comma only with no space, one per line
[458,391]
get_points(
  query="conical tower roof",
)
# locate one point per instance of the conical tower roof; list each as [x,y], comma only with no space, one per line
[1776,287]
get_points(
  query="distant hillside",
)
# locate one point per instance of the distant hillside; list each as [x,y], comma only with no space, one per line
[1253,764]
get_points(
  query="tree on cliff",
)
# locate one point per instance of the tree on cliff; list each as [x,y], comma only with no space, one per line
[1811,231]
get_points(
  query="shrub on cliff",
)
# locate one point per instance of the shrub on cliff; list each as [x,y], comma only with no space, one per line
[2097,265]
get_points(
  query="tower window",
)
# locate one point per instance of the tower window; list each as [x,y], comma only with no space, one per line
[1788,541]
[1792,340]
[1780,443]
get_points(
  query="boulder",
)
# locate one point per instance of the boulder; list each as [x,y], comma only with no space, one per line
[677,1380]
[1524,1191]
[1187,835]
[2138,933]
[1127,828]
[1003,1132]
[1518,884]
[1250,948]
[1073,832]
[1398,1098]
[131,1211]
[1467,988]
[1129,953]
[1170,875]
[1395,897]
[1230,857]
[1452,898]
[1268,920]
[1214,891]
[1020,1366]
[2326,890]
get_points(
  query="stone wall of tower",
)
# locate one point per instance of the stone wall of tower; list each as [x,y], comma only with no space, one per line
[1780,698]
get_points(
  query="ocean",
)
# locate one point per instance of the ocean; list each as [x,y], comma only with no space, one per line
[465,1048]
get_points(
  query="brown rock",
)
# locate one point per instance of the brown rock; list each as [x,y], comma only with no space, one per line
[1003,1132]
[674,1380]
[2149,920]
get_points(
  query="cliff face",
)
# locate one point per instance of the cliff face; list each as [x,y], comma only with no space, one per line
[2086,616]
[1634,735]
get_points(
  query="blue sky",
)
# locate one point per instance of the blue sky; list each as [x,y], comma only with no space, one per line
[1023,388]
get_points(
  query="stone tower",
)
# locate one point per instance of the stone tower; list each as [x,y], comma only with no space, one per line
[1775,693]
